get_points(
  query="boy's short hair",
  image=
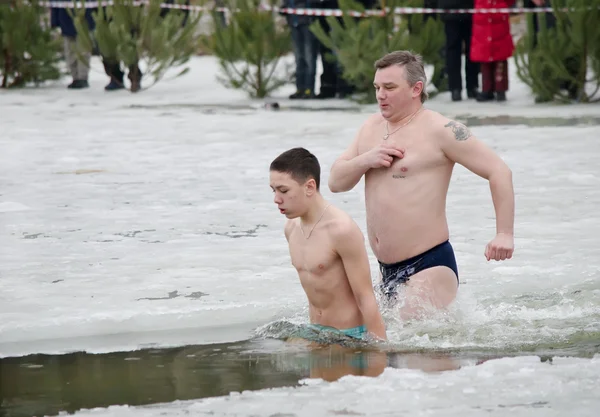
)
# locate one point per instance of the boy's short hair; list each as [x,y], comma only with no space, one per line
[300,164]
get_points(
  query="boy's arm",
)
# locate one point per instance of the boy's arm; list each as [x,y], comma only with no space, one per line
[350,245]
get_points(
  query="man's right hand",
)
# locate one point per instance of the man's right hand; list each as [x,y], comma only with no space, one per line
[382,156]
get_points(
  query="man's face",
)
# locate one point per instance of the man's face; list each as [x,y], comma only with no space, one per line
[393,92]
[289,195]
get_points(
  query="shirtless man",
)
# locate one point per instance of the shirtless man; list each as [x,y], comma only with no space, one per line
[407,154]
[327,249]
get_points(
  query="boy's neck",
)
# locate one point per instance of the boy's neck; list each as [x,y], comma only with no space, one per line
[315,211]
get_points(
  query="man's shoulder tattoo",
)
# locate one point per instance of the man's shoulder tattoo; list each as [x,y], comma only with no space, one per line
[461,132]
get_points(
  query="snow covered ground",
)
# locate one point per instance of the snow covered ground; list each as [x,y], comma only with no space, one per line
[131,220]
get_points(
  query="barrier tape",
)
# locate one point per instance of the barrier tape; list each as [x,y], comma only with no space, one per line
[323,12]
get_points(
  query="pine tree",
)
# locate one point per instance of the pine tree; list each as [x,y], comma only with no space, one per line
[358,42]
[28,50]
[133,34]
[250,49]
[562,62]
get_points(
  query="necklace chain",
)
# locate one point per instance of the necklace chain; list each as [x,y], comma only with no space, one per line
[315,225]
[387,131]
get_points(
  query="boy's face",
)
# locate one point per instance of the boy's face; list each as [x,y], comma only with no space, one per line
[290,196]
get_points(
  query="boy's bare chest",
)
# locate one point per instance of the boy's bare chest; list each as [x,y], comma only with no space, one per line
[314,255]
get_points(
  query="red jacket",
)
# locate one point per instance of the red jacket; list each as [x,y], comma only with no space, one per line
[491,39]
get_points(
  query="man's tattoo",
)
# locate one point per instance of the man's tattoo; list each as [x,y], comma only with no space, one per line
[461,132]
[398,176]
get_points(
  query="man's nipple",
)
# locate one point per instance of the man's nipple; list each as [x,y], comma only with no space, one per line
[403,169]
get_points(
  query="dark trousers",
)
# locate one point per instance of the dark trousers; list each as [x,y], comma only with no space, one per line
[494,76]
[113,70]
[458,32]
[306,49]
[332,81]
[331,70]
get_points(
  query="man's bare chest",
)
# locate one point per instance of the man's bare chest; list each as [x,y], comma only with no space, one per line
[420,156]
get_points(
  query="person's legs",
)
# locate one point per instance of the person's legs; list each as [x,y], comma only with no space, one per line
[311,50]
[453,58]
[487,82]
[299,50]
[328,83]
[471,68]
[135,77]
[70,56]
[112,68]
[501,79]
[78,69]
[432,288]
[83,65]
[427,281]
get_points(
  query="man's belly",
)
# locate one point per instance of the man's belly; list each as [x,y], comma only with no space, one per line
[401,225]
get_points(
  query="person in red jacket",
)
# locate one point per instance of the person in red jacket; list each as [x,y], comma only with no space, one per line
[491,46]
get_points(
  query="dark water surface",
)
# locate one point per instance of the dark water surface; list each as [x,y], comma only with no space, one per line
[38,385]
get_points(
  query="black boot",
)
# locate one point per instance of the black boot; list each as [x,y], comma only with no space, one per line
[456,95]
[501,95]
[472,93]
[114,85]
[78,84]
[485,96]
[308,93]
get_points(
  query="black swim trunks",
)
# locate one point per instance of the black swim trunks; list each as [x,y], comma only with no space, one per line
[400,272]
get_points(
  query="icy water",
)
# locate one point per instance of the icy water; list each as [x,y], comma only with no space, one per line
[47,384]
[143,263]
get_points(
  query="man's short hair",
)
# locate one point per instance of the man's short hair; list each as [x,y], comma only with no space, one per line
[300,164]
[413,68]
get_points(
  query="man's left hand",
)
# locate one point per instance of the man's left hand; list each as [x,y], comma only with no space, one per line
[500,248]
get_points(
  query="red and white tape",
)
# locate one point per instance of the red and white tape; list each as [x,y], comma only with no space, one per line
[320,12]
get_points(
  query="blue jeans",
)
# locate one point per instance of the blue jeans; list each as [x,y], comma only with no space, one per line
[306,49]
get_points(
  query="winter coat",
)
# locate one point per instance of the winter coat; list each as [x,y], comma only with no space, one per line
[60,18]
[454,4]
[491,39]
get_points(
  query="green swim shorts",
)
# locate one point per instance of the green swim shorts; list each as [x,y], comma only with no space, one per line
[355,332]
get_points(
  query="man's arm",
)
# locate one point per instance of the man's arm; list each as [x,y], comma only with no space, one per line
[460,146]
[348,168]
[349,244]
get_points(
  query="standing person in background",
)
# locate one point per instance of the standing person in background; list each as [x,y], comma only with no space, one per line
[306,49]
[331,70]
[458,28]
[491,45]
[571,62]
[439,78]
[78,62]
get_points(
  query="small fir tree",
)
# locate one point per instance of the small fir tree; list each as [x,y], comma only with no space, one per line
[562,61]
[358,42]
[137,34]
[250,49]
[29,53]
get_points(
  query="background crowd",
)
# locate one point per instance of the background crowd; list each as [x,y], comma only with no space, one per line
[477,48]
